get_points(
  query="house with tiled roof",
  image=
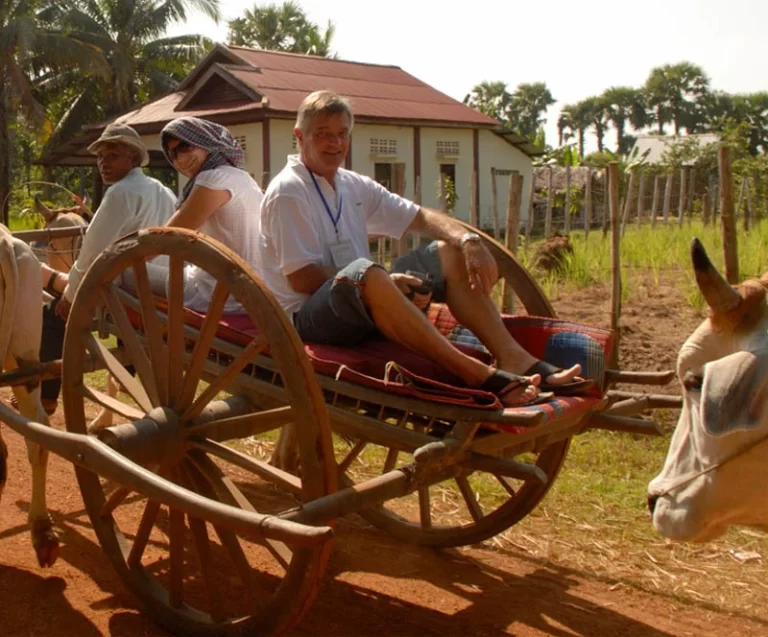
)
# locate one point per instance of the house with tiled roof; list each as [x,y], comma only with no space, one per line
[406,132]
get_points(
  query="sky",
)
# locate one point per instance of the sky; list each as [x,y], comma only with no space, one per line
[577,48]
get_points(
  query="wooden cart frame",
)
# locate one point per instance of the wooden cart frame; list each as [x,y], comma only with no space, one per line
[211,538]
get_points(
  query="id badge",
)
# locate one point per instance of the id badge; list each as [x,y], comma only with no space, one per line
[342,253]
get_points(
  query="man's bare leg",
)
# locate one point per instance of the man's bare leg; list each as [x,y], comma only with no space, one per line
[480,315]
[401,321]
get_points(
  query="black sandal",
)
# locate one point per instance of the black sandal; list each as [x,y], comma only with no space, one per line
[574,388]
[500,383]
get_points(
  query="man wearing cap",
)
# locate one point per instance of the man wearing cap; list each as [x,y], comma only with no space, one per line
[132,201]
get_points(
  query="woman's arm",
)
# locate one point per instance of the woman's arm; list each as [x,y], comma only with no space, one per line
[200,205]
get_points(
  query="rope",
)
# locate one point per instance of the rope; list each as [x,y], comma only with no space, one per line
[76,198]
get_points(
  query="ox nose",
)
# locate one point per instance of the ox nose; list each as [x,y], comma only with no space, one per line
[652,500]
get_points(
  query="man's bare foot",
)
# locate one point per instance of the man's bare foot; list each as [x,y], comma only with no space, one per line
[512,390]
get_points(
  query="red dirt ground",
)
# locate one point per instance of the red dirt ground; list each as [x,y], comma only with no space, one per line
[374,585]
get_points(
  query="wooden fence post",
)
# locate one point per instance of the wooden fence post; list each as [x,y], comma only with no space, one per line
[705,209]
[691,190]
[512,230]
[606,198]
[740,202]
[627,202]
[567,220]
[749,211]
[668,196]
[715,202]
[588,203]
[474,213]
[641,198]
[683,194]
[550,203]
[529,219]
[730,245]
[613,170]
[655,202]
[494,204]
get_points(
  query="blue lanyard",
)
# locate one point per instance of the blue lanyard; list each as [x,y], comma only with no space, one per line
[334,221]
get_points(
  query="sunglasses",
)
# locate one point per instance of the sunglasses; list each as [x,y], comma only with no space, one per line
[181,147]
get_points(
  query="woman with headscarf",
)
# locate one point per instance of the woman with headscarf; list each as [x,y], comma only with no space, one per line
[220,199]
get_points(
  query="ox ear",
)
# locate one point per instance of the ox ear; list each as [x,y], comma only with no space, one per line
[44,211]
[734,392]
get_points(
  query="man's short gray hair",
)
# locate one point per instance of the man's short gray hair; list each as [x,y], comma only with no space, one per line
[322,102]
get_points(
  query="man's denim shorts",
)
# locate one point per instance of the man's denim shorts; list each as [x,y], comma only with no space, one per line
[336,315]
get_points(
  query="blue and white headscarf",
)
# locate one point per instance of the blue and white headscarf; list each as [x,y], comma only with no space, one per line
[222,147]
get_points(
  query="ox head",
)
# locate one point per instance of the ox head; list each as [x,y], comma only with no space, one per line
[716,470]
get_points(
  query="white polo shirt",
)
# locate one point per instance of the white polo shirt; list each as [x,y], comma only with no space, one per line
[297,230]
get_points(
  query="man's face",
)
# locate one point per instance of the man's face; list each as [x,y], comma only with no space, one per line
[115,161]
[325,145]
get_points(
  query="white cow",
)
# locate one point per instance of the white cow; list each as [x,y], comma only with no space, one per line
[20,328]
[716,470]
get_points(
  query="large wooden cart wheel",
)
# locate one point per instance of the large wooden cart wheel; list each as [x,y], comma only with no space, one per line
[194,576]
[476,505]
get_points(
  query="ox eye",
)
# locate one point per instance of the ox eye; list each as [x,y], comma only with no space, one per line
[692,382]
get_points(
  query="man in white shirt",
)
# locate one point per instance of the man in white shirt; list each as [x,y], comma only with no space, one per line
[133,201]
[315,222]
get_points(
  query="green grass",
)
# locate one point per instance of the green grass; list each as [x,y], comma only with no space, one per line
[651,252]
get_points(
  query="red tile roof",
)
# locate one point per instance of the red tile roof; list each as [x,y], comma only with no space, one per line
[376,92]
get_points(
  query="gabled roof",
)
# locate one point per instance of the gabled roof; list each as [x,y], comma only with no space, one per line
[235,84]
[274,83]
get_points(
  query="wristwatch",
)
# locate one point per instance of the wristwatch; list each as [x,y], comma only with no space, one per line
[469,236]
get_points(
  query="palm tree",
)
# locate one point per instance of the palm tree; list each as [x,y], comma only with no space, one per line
[281,28]
[528,104]
[565,127]
[625,105]
[128,35]
[678,93]
[490,98]
[577,118]
[27,51]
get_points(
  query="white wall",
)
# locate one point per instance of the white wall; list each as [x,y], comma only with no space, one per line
[280,144]
[496,153]
[362,160]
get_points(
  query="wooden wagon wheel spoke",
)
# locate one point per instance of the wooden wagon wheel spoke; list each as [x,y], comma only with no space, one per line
[131,341]
[119,373]
[266,471]
[352,455]
[507,484]
[113,404]
[202,347]
[178,532]
[253,349]
[391,460]
[175,328]
[148,518]
[116,498]
[469,497]
[243,426]
[425,512]
[227,490]
[158,352]
[203,548]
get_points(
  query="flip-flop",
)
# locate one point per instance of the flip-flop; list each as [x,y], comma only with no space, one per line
[546,369]
[501,383]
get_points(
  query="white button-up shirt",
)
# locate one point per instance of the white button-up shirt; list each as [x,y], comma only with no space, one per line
[134,202]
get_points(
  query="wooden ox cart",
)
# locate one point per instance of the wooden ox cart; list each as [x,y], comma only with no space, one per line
[210,535]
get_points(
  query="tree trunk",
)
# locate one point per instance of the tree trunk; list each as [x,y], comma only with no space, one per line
[5,154]
[600,133]
[581,143]
[619,136]
[660,121]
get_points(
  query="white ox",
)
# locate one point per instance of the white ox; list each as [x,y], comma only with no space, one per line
[20,328]
[716,470]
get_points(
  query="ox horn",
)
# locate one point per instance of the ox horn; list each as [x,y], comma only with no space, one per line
[47,214]
[717,292]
